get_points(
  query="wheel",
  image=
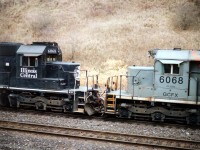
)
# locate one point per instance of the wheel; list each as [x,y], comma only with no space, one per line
[192,119]
[124,113]
[40,106]
[4,99]
[158,116]
[67,108]
[13,100]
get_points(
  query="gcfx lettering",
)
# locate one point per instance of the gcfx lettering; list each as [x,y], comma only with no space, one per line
[170,94]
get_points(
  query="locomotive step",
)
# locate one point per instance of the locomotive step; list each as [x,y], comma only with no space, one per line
[111,99]
[81,97]
[80,110]
[110,111]
[111,105]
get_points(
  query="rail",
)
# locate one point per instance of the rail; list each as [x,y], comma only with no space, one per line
[131,139]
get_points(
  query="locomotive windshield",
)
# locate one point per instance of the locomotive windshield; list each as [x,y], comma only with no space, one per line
[53,54]
[51,58]
[171,66]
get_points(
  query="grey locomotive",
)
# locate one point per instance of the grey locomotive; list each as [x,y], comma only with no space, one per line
[169,90]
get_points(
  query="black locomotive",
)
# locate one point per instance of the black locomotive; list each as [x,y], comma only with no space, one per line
[35,75]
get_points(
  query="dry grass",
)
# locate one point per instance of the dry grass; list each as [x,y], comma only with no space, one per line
[104,36]
[187,16]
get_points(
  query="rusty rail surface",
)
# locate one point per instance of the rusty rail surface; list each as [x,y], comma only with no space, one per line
[101,135]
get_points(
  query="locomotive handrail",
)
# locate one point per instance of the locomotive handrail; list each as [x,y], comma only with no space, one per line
[4,72]
[87,82]
[61,67]
[110,83]
[116,84]
[197,91]
[93,78]
[86,72]
[194,72]
[197,86]
[120,89]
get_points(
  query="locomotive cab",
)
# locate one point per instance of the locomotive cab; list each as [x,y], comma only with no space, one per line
[40,65]
[174,79]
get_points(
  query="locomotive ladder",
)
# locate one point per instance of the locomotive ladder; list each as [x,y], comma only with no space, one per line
[110,104]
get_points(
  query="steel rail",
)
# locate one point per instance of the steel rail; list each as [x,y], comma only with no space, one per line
[101,135]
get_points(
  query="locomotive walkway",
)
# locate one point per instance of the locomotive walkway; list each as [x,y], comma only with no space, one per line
[101,135]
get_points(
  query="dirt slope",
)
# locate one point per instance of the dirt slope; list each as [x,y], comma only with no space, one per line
[104,36]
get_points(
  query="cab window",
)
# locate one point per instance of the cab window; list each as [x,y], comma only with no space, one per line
[28,61]
[171,68]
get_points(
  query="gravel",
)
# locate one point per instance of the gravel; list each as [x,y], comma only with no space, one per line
[25,141]
[17,140]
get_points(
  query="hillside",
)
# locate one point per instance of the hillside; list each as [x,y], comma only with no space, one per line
[104,36]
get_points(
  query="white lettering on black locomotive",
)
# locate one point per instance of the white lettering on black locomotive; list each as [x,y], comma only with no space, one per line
[52,51]
[28,73]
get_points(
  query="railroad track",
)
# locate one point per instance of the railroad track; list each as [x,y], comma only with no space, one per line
[158,142]
[111,118]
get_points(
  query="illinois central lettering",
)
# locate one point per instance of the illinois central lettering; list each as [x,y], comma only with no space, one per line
[28,73]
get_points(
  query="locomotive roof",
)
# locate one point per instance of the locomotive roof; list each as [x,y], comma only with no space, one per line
[8,48]
[63,63]
[9,43]
[31,50]
[183,55]
[141,68]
